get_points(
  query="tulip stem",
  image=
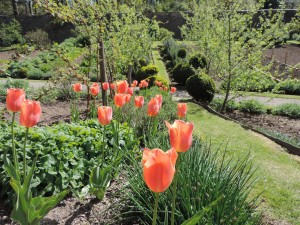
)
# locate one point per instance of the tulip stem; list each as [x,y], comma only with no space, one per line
[24,154]
[104,145]
[155,209]
[174,191]
[13,142]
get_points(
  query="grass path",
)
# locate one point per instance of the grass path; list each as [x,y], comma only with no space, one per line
[278,173]
[159,63]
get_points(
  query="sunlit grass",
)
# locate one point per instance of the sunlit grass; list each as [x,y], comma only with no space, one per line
[159,63]
[278,172]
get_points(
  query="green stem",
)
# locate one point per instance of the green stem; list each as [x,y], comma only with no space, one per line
[104,145]
[13,142]
[24,154]
[174,191]
[155,209]
[155,123]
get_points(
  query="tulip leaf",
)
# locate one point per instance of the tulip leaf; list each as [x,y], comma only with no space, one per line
[198,216]
[10,169]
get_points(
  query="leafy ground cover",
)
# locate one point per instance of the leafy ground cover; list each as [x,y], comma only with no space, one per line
[277,172]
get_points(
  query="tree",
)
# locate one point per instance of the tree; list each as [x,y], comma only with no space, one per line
[231,39]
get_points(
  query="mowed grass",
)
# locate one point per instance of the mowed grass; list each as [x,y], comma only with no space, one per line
[278,173]
[158,62]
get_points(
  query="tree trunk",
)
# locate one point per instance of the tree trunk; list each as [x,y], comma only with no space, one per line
[129,74]
[30,7]
[15,8]
[102,70]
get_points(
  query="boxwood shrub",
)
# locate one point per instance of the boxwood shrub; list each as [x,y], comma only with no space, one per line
[181,72]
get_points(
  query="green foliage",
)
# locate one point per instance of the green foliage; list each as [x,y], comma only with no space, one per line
[289,86]
[251,80]
[203,176]
[157,78]
[181,72]
[67,154]
[290,109]
[146,71]
[10,33]
[231,105]
[252,106]
[198,61]
[39,38]
[201,87]
[35,74]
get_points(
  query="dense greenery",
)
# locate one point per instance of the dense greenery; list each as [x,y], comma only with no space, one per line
[252,106]
[10,33]
[289,86]
[290,109]
[206,177]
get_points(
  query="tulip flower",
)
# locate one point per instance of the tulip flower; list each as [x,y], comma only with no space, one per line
[104,115]
[105,86]
[180,135]
[139,101]
[30,113]
[112,86]
[122,87]
[127,98]
[159,83]
[158,168]
[119,100]
[173,90]
[134,83]
[153,107]
[77,87]
[130,90]
[95,90]
[14,99]
[159,99]
[181,110]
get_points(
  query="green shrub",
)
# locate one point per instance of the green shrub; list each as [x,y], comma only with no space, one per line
[158,78]
[251,80]
[10,33]
[35,74]
[198,61]
[146,71]
[217,103]
[181,72]
[39,38]
[201,87]
[289,86]
[252,106]
[290,109]
[67,153]
[181,53]
[203,176]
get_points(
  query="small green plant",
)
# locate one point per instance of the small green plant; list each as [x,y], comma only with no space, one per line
[201,87]
[39,38]
[10,33]
[290,109]
[252,106]
[231,105]
[181,72]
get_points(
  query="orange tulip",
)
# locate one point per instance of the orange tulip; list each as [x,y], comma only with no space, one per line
[122,87]
[173,90]
[153,107]
[112,86]
[127,98]
[182,110]
[159,99]
[119,100]
[159,84]
[104,115]
[139,101]
[130,90]
[30,113]
[158,168]
[105,86]
[95,90]
[14,99]
[180,135]
[77,87]
[134,83]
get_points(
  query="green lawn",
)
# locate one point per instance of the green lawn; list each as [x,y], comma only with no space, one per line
[278,173]
[159,63]
[270,95]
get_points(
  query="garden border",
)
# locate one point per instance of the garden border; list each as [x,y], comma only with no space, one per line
[291,149]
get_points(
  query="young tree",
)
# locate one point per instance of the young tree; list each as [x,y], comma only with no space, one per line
[230,37]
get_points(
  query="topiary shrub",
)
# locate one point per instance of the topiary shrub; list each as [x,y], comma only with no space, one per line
[146,71]
[198,61]
[181,53]
[201,87]
[181,72]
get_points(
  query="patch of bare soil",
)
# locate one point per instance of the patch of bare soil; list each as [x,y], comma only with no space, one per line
[8,55]
[287,54]
[285,125]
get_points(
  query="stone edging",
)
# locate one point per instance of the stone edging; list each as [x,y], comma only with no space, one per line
[289,147]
